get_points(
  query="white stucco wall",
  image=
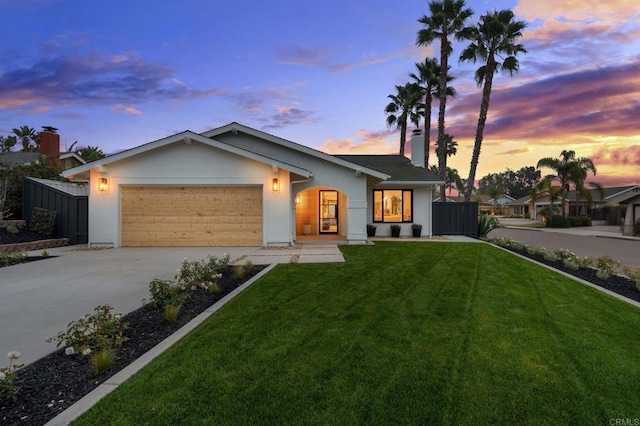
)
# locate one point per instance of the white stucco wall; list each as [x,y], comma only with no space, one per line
[182,164]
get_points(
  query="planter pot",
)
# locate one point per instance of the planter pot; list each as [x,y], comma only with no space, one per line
[371,231]
[306,229]
[395,232]
[416,232]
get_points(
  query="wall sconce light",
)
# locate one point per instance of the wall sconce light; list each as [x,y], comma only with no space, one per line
[297,199]
[275,186]
[102,185]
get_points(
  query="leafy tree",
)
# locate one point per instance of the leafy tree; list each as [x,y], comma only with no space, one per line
[427,79]
[493,38]
[90,153]
[402,109]
[28,137]
[12,178]
[568,170]
[446,20]
[6,143]
[516,184]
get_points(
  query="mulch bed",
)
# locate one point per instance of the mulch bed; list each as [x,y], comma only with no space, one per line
[615,283]
[23,235]
[55,382]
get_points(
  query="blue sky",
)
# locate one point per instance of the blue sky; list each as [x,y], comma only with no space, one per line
[121,73]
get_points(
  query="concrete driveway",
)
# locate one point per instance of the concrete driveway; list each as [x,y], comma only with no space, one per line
[38,299]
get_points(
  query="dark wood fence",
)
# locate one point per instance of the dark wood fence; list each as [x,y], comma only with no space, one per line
[455,219]
[72,211]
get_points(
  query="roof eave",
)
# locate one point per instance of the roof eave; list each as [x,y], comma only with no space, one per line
[234,127]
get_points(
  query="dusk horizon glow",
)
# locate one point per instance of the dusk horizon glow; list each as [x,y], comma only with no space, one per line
[120,74]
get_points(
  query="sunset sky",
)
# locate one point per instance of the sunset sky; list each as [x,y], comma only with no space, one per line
[121,73]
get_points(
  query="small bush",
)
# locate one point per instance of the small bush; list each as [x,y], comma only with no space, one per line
[586,220]
[248,265]
[485,224]
[12,229]
[165,292]
[43,221]
[8,389]
[90,333]
[201,273]
[171,313]
[606,267]
[557,221]
[575,220]
[12,257]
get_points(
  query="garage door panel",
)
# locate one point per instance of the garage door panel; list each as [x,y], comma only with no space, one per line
[191,216]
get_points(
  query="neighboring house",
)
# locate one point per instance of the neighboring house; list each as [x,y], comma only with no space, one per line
[49,148]
[608,207]
[238,186]
[632,214]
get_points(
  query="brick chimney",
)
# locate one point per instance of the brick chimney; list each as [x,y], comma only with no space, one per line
[50,144]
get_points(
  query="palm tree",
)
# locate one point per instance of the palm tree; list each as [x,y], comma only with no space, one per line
[26,135]
[568,169]
[402,109]
[90,153]
[451,146]
[544,188]
[427,79]
[491,40]
[447,19]
[453,179]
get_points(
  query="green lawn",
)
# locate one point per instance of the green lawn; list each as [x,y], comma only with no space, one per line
[402,333]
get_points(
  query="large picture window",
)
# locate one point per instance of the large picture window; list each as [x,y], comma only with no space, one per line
[392,205]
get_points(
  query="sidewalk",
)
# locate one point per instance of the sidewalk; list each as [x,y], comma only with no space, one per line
[595,231]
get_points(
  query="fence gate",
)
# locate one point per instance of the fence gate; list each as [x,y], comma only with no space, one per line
[72,211]
[455,219]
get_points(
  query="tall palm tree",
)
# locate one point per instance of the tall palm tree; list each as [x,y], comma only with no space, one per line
[544,188]
[427,79]
[446,20]
[453,179]
[402,109]
[27,135]
[568,169]
[491,40]
[90,153]
[451,146]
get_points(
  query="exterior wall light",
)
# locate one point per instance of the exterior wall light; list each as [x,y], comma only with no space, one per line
[297,199]
[102,185]
[275,186]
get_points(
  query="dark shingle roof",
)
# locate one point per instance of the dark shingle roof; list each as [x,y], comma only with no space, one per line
[398,167]
[15,158]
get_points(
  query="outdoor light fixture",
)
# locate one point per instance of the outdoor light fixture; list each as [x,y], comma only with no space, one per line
[102,185]
[297,199]
[275,186]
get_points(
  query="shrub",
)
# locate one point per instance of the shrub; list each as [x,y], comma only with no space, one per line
[586,220]
[633,275]
[91,333]
[575,220]
[238,272]
[12,257]
[165,292]
[214,288]
[102,361]
[8,389]
[557,221]
[248,265]
[12,229]
[606,267]
[485,224]
[43,221]
[201,273]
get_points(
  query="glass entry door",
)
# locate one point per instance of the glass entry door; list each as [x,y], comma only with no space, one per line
[328,212]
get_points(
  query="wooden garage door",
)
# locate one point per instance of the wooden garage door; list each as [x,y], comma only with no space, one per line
[191,216]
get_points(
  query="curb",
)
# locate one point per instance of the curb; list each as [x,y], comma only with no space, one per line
[88,401]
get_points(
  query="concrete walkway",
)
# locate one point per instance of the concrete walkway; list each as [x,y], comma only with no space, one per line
[38,299]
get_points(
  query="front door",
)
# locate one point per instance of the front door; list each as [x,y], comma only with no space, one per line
[328,212]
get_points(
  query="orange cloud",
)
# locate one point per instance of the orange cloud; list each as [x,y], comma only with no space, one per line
[128,110]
